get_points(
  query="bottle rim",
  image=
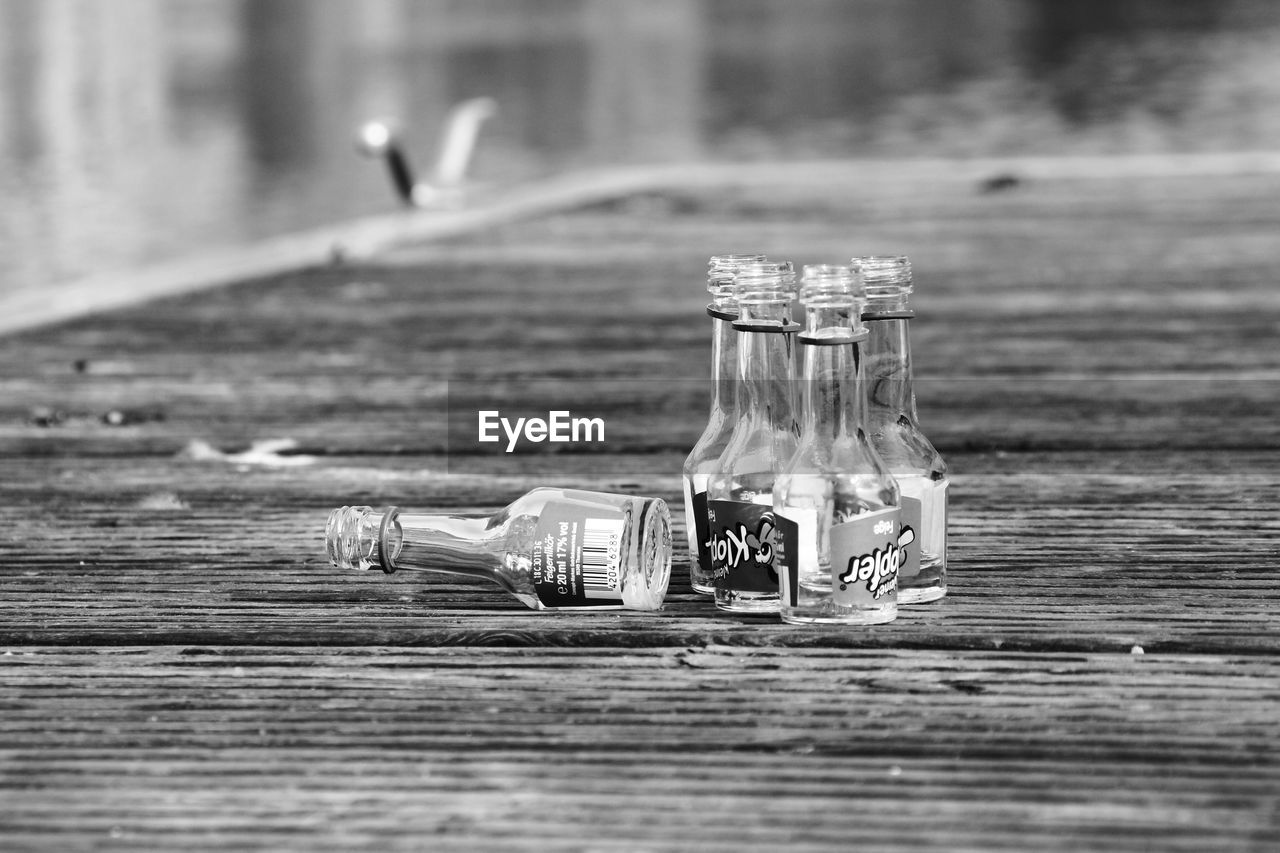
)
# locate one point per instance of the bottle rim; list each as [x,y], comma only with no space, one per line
[723,269]
[720,262]
[831,284]
[884,269]
[768,280]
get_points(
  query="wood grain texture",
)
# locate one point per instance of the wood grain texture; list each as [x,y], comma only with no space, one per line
[1045,556]
[536,749]
[1095,352]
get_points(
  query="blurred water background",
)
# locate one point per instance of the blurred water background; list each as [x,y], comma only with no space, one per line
[136,130]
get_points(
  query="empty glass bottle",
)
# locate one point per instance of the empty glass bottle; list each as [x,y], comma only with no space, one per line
[552,548]
[836,502]
[895,430]
[740,490]
[705,454]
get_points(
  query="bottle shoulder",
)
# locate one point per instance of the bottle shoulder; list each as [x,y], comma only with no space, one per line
[847,471]
[755,448]
[854,454]
[844,494]
[904,446]
[708,448]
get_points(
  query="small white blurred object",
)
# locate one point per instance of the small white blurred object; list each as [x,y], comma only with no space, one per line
[457,145]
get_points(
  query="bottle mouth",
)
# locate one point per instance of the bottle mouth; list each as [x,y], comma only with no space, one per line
[726,263]
[884,269]
[887,279]
[766,284]
[722,269]
[654,552]
[828,285]
[350,538]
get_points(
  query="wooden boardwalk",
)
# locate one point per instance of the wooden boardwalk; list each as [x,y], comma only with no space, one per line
[1097,358]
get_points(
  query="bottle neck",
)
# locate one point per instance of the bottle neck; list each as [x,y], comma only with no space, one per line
[890,394]
[764,373]
[724,361]
[442,543]
[833,403]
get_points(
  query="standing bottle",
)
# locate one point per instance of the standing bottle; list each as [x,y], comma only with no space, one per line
[702,460]
[894,426]
[740,490]
[553,549]
[836,502]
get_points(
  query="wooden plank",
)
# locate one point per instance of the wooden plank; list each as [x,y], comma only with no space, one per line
[1145,313]
[116,289]
[353,360]
[1095,355]
[337,375]
[373,235]
[667,749]
[1170,552]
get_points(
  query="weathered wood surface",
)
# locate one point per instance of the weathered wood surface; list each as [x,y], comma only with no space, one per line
[1098,360]
[716,747]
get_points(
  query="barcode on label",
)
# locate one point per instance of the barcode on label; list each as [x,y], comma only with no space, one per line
[601,554]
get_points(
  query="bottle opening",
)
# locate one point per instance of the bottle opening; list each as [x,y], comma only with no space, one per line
[757,284]
[351,538]
[722,270]
[888,281]
[831,285]
[648,585]
[884,269]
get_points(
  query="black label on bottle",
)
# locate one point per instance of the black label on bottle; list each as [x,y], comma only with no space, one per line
[702,530]
[577,556]
[743,546]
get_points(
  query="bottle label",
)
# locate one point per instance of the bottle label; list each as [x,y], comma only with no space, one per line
[702,530]
[577,556]
[910,538]
[743,546]
[865,558]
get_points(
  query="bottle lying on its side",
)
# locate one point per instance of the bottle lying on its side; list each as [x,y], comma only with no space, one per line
[554,549]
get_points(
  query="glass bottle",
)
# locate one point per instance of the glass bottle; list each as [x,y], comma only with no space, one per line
[705,454]
[740,489]
[895,429]
[552,548]
[836,502]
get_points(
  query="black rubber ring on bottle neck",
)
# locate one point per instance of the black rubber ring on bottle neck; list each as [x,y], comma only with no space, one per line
[388,515]
[775,328]
[855,338]
[888,315]
[720,313]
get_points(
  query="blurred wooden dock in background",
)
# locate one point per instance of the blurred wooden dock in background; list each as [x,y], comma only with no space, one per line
[1097,360]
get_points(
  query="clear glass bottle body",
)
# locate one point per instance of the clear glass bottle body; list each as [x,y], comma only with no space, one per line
[893,424]
[553,549]
[840,555]
[740,491]
[705,455]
